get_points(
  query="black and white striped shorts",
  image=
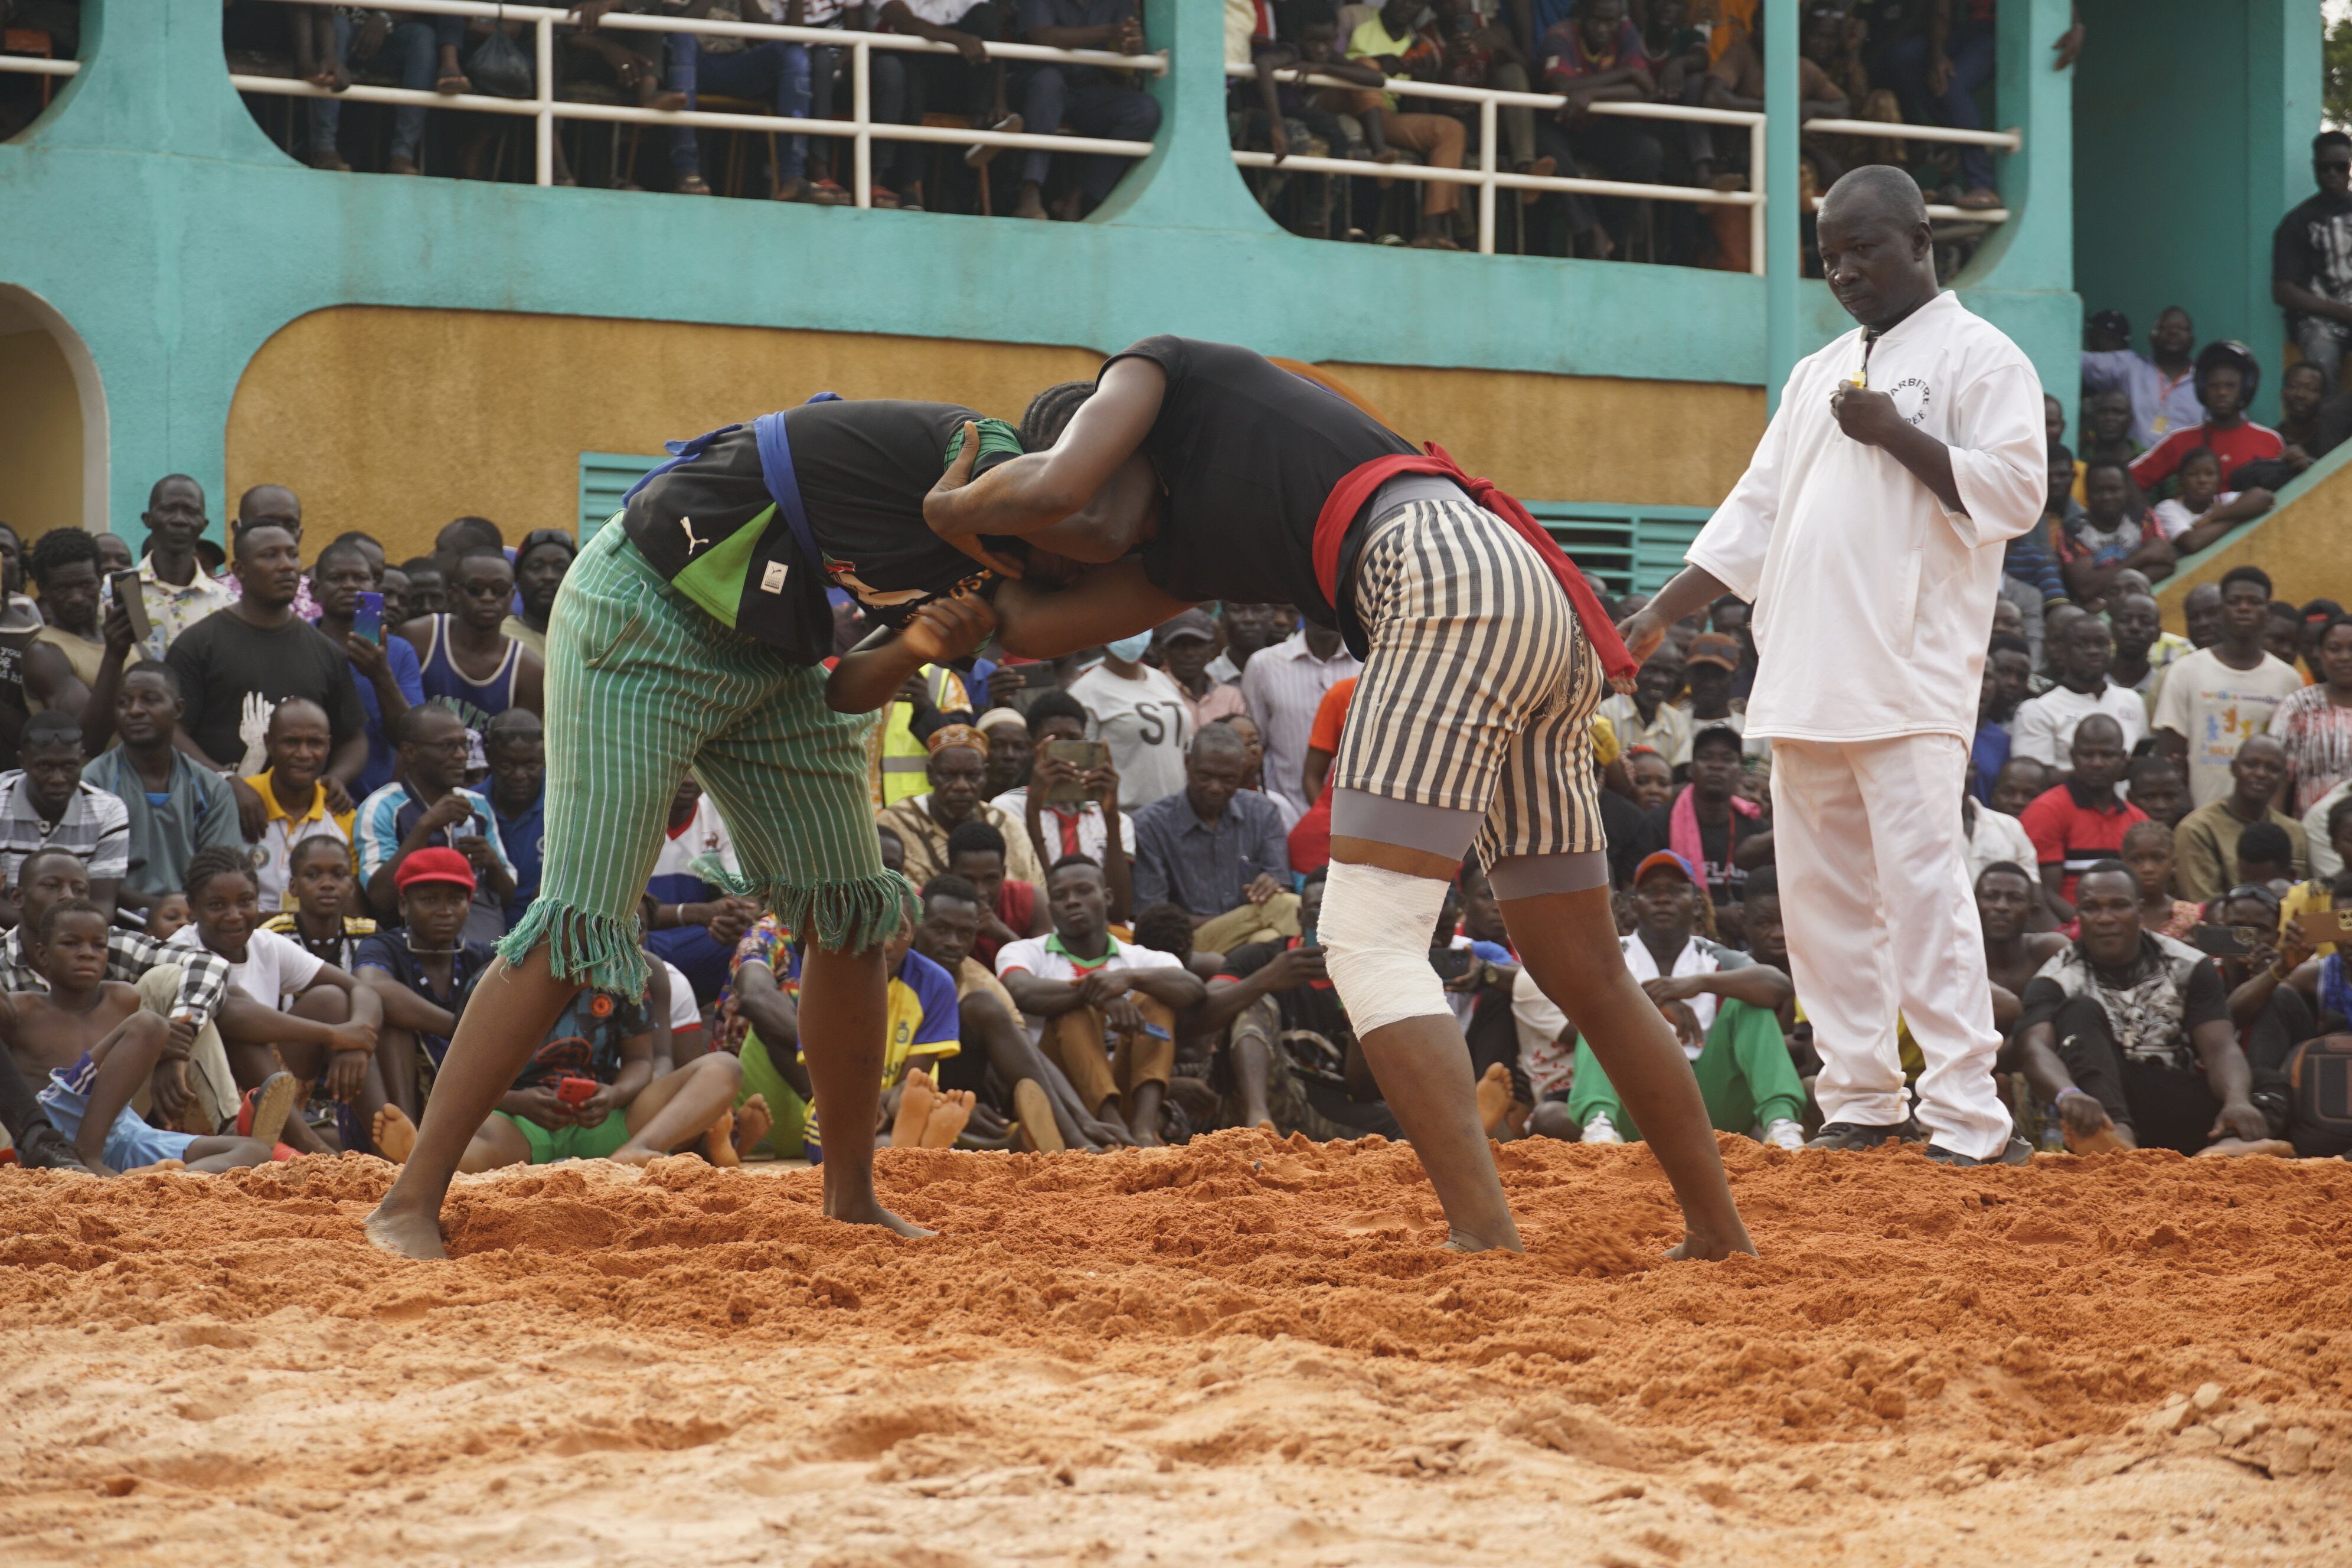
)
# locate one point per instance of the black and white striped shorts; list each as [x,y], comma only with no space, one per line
[1480,689]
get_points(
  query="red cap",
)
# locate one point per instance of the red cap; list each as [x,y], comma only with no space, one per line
[1664,859]
[434,864]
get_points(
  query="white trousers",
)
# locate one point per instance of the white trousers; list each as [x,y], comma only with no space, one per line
[1873,866]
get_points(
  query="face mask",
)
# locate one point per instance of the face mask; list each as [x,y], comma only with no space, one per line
[1127,650]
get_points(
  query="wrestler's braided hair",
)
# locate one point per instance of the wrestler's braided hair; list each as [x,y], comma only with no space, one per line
[1050,413]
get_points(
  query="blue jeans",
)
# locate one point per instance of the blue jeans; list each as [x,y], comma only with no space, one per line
[411,48]
[775,72]
[1090,108]
[1970,48]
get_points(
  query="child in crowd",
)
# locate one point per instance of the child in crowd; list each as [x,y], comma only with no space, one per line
[167,913]
[421,975]
[2203,511]
[95,1044]
[323,921]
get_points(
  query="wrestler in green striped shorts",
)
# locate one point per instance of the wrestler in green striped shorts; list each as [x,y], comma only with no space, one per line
[642,687]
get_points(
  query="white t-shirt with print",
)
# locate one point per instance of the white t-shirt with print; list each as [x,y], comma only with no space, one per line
[2176,519]
[1031,957]
[2215,707]
[1147,725]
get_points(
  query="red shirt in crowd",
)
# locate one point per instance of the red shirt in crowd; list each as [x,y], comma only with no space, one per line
[2077,828]
[2244,442]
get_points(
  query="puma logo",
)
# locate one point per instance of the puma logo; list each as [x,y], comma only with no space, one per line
[686,524]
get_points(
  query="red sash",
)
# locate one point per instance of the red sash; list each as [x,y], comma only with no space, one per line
[1350,496]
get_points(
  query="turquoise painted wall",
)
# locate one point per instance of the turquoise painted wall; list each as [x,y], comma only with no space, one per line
[150,211]
[2193,122]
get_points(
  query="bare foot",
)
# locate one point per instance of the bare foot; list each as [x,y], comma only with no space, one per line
[409,1235]
[916,1097]
[1463,1241]
[949,1113]
[1707,1248]
[158,1165]
[719,1142]
[869,1211]
[752,1121]
[2234,1148]
[393,1134]
[1040,1133]
[635,1153]
[1494,1097]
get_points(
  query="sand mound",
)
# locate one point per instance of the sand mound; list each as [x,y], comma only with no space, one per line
[1270,1318]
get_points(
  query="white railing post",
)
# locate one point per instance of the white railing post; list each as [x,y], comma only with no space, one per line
[1487,187]
[1756,212]
[544,121]
[861,112]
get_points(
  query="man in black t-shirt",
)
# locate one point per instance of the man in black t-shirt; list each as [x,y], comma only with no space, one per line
[2311,261]
[1712,800]
[237,664]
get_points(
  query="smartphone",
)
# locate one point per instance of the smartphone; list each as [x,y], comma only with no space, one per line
[2226,941]
[1083,756]
[2324,926]
[575,1090]
[367,621]
[127,593]
[1451,963]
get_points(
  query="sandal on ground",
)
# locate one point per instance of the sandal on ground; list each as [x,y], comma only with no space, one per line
[692,185]
[879,197]
[826,194]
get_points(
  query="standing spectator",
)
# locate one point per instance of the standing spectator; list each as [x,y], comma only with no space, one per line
[2080,821]
[1937,72]
[171,579]
[1090,101]
[2226,376]
[425,806]
[2045,727]
[64,564]
[2315,724]
[1648,715]
[691,920]
[541,561]
[273,506]
[1056,828]
[958,771]
[45,805]
[1186,645]
[2200,614]
[1597,56]
[238,663]
[1283,685]
[2161,387]
[385,673]
[427,588]
[517,751]
[2302,393]
[1142,716]
[2202,511]
[1708,819]
[1248,628]
[2213,698]
[1215,851]
[466,663]
[2311,259]
[295,804]
[2110,536]
[2205,845]
[175,806]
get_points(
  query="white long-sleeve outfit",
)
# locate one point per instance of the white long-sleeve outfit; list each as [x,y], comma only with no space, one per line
[1873,607]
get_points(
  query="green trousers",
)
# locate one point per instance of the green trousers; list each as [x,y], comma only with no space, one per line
[1745,1075]
[784,1103]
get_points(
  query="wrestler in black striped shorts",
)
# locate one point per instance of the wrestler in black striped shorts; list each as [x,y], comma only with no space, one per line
[1479,691]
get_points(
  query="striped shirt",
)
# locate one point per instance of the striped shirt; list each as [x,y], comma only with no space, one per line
[2317,737]
[95,827]
[1283,686]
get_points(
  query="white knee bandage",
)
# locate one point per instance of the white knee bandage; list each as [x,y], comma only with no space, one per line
[1376,929]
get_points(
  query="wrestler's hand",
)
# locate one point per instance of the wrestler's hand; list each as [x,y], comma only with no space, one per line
[1642,632]
[1867,415]
[940,506]
[949,628]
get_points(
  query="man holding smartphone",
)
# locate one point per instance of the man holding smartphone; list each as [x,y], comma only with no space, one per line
[386,670]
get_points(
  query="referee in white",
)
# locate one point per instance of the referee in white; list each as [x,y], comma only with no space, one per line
[1868,531]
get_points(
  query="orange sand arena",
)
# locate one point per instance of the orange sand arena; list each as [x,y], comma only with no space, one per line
[1236,1352]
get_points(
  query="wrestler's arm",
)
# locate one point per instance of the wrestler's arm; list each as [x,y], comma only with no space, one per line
[1040,490]
[1691,591]
[870,674]
[1106,603]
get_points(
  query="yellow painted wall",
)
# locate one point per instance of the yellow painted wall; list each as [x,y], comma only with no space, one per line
[394,421]
[2307,548]
[40,435]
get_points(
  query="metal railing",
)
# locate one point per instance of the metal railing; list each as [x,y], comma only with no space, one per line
[1489,179]
[861,128]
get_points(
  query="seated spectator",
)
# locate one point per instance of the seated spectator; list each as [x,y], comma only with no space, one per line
[172,808]
[2080,822]
[237,664]
[422,973]
[2020,782]
[1937,73]
[1006,730]
[328,41]
[518,752]
[765,986]
[1091,825]
[1185,646]
[1010,909]
[2267,858]
[1386,42]
[2127,1032]
[2202,511]
[64,566]
[957,772]
[1092,102]
[766,70]
[2327,835]
[1474,49]
[2012,663]
[1994,836]
[283,1007]
[1708,819]
[2158,790]
[2296,1002]
[385,673]
[1989,747]
[2008,902]
[93,1044]
[1284,686]
[165,915]
[177,590]
[968,82]
[1597,56]
[1103,1011]
[426,806]
[2143,648]
[1252,740]
[45,805]
[1652,775]
[2205,845]
[691,920]
[2111,536]
[2308,435]
[1142,715]
[2045,726]
[2107,430]
[1710,667]
[541,561]
[2226,377]
[2148,851]
[465,662]
[2311,259]
[321,913]
[294,801]
[1217,851]
[1724,1006]
[1648,715]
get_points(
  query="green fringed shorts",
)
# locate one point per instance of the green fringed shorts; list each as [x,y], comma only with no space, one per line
[642,687]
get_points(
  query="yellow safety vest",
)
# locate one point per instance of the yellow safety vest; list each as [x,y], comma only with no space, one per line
[904,758]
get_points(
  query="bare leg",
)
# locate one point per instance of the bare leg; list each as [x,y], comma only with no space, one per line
[679,1107]
[1252,1062]
[1569,942]
[210,1156]
[844,1016]
[125,1059]
[1423,1068]
[510,1015]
